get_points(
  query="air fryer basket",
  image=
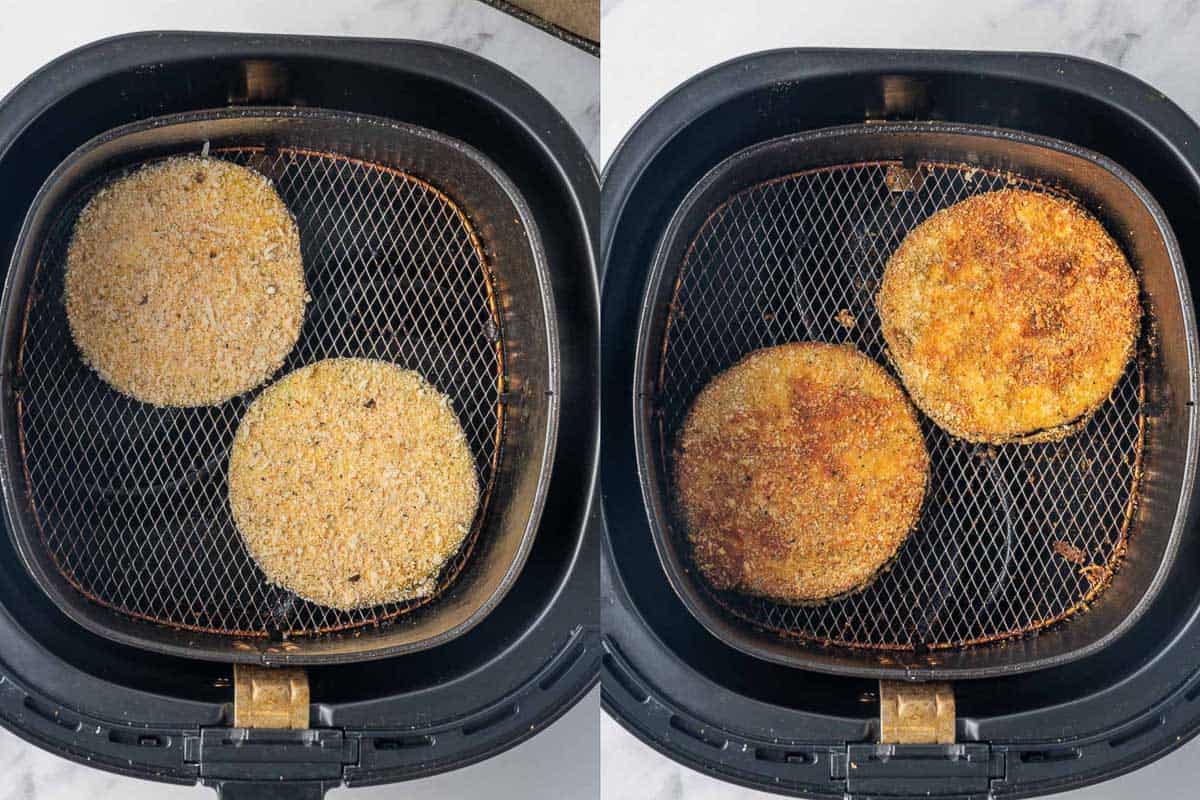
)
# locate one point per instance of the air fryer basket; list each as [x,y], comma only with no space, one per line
[771,246]
[417,250]
[166,717]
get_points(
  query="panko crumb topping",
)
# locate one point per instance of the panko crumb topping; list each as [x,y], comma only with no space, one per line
[184,282]
[800,472]
[1010,316]
[352,483]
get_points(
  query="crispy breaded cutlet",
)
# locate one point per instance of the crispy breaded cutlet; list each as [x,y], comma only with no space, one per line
[799,473]
[1010,316]
[352,483]
[184,283]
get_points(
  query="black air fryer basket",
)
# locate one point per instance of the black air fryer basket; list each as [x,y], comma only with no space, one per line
[750,208]
[445,277]
[780,239]
[446,215]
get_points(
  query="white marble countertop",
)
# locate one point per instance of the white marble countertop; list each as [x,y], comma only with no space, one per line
[33,33]
[651,46]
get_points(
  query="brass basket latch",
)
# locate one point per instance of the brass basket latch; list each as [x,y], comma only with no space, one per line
[916,713]
[917,755]
[266,697]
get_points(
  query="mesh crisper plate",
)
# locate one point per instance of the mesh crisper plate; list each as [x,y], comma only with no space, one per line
[131,500]
[1011,538]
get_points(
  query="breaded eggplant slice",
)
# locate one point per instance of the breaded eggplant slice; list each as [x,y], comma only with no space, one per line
[1010,316]
[799,472]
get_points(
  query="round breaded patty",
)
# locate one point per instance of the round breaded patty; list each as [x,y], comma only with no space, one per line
[351,482]
[1010,316]
[184,283]
[800,471]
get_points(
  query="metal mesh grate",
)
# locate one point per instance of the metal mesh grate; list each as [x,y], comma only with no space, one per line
[1011,538]
[131,500]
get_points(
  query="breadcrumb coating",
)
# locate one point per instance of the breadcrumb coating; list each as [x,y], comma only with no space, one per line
[800,471]
[184,283]
[1010,316]
[352,483]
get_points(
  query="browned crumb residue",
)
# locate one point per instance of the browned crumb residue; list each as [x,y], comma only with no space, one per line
[800,472]
[1095,573]
[184,282]
[1010,316]
[1070,552]
[845,319]
[352,483]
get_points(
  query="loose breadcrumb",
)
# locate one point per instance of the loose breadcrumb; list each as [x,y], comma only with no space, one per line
[1070,552]
[1010,316]
[800,472]
[352,483]
[184,282]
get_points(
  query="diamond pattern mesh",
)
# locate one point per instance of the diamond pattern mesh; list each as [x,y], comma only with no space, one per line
[131,500]
[1011,538]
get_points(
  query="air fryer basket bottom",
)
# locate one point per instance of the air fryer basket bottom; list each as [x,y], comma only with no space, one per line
[1012,538]
[131,500]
